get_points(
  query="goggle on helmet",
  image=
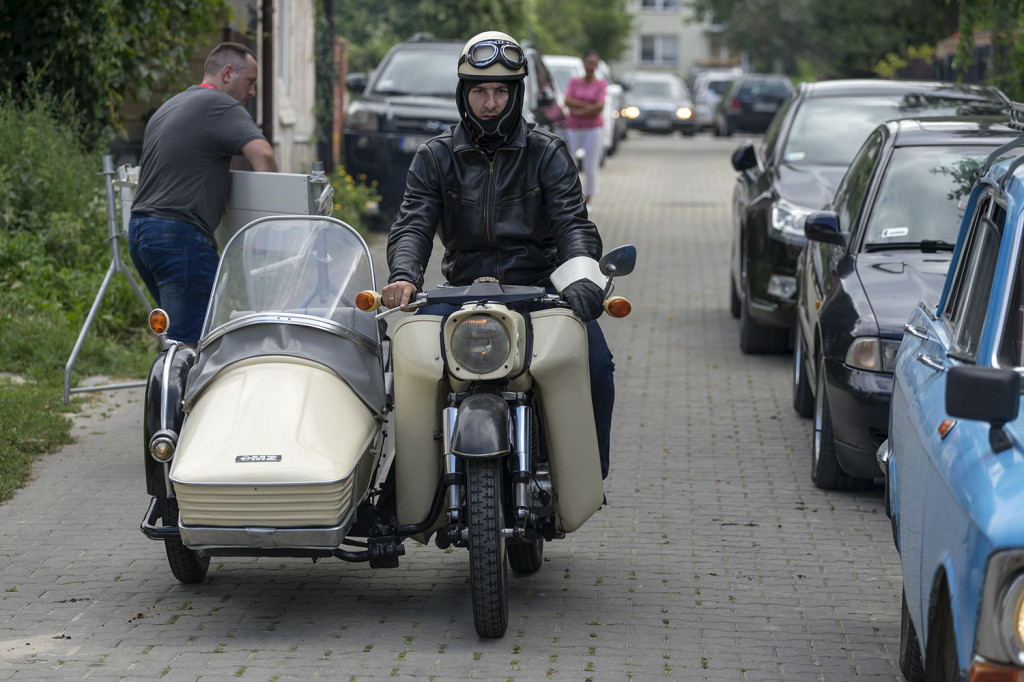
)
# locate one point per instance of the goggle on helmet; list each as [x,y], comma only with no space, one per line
[492,56]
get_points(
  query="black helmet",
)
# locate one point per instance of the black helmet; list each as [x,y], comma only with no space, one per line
[492,56]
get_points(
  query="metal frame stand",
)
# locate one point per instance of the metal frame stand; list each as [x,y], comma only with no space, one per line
[116,265]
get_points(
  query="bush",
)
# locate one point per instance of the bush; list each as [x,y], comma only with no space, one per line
[353,197]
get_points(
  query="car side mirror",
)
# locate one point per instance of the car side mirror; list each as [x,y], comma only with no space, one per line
[823,226]
[989,394]
[356,82]
[744,158]
[619,261]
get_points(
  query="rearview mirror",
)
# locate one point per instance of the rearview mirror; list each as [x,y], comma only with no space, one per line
[744,158]
[619,261]
[356,82]
[989,394]
[823,226]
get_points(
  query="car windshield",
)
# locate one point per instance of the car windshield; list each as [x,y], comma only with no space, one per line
[666,89]
[773,89]
[919,198]
[419,72]
[718,87]
[563,72]
[830,130]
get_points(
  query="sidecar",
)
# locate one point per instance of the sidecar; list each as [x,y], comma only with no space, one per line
[266,439]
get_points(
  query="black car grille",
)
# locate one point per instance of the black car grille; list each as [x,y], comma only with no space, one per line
[421,126]
[659,115]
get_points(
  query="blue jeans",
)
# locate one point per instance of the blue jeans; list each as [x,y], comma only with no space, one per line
[177,263]
[602,381]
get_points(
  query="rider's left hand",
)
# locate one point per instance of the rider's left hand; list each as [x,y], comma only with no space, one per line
[585,298]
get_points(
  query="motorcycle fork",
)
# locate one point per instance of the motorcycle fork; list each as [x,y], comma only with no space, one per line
[520,436]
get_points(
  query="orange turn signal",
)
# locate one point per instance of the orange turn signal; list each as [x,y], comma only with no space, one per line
[158,321]
[368,300]
[617,306]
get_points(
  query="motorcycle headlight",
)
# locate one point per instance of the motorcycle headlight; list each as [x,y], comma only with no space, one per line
[873,354]
[480,344]
[1011,618]
[788,220]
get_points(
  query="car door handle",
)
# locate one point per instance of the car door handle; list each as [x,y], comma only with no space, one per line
[916,332]
[930,362]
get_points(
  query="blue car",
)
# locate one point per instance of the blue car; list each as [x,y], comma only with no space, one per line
[954,460]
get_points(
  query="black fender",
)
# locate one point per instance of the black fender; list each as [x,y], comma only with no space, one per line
[164,407]
[481,427]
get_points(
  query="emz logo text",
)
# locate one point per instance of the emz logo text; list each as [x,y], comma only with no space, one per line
[258,458]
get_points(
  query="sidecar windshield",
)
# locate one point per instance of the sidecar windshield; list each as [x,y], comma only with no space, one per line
[300,269]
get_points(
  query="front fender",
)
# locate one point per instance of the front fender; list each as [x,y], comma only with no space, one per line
[164,409]
[481,427]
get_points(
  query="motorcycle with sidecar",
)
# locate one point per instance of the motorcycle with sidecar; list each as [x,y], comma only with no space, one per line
[297,428]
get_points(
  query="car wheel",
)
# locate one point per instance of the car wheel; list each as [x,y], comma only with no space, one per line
[803,399]
[910,647]
[758,339]
[734,299]
[825,470]
[940,658]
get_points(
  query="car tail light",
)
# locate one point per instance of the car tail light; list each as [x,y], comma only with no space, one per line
[734,105]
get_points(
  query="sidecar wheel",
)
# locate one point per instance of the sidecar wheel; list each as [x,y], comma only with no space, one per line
[488,573]
[526,556]
[186,564]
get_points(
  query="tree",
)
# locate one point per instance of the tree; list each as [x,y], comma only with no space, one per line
[100,51]
[575,26]
[373,27]
[1003,20]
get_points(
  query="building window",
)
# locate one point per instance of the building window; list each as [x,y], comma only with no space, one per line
[659,50]
[659,5]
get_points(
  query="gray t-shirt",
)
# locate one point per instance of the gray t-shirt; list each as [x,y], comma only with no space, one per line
[186,157]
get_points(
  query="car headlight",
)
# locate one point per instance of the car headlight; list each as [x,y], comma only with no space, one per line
[1000,633]
[788,220]
[873,354]
[361,118]
[685,113]
[480,344]
[631,112]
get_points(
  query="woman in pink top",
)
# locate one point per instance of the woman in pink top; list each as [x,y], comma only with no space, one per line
[584,97]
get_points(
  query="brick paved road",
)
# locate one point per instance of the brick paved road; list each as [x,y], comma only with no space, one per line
[717,559]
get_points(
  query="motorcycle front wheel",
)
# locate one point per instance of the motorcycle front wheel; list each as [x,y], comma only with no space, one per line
[186,564]
[488,573]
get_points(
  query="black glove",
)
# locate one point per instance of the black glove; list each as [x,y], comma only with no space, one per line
[585,298]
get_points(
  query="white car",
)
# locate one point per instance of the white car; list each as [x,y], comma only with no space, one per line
[565,67]
[708,88]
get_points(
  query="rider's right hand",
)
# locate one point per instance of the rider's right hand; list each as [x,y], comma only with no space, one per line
[397,294]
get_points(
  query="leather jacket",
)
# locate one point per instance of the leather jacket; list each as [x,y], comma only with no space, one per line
[515,216]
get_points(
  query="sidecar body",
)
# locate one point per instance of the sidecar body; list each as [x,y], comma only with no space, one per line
[277,420]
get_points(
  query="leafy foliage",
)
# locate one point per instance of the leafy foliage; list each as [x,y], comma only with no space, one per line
[352,196]
[100,51]
[555,26]
[1004,21]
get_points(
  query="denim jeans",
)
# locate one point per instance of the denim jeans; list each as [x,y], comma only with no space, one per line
[602,381]
[177,263]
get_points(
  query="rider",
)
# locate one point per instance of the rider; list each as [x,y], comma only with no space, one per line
[506,199]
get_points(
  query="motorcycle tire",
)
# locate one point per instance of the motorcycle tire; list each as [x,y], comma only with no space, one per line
[488,573]
[186,564]
[526,556]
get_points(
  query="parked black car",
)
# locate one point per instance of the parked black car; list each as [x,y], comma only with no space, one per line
[884,245]
[795,170]
[409,98]
[750,103]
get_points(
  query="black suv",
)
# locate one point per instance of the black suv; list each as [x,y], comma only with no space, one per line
[409,98]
